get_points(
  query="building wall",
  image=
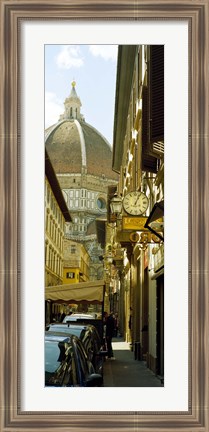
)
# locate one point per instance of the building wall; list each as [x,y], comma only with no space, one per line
[76,262]
[71,275]
[86,198]
[152,321]
[140,162]
[54,236]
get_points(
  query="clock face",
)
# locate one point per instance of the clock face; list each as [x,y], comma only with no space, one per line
[135,203]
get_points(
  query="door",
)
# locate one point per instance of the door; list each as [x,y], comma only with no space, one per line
[145,312]
[160,325]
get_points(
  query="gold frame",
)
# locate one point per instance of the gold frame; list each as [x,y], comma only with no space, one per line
[13,12]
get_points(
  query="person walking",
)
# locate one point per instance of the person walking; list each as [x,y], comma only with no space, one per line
[110,328]
[104,342]
[116,325]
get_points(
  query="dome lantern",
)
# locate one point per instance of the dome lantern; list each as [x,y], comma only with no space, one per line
[72,106]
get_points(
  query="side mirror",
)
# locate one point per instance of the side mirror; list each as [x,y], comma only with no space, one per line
[94,380]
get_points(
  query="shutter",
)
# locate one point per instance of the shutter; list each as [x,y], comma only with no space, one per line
[144,117]
[149,162]
[156,93]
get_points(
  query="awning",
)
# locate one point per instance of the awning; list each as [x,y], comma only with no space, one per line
[91,292]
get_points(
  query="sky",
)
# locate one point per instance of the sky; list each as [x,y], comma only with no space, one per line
[93,67]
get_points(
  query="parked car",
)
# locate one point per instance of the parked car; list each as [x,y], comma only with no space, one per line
[67,364]
[77,316]
[89,336]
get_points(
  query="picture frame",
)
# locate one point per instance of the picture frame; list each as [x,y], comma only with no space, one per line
[13,14]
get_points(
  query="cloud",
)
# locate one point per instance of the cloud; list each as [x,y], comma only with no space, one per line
[69,57]
[107,52]
[53,109]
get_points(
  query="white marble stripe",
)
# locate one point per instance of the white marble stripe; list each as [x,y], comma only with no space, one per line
[83,147]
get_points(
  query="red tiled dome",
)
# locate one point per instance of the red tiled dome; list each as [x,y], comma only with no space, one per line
[73,145]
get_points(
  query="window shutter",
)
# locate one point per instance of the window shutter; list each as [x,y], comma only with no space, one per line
[144,116]
[156,93]
[149,162]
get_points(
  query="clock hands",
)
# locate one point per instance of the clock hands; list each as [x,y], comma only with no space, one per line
[136,200]
[135,203]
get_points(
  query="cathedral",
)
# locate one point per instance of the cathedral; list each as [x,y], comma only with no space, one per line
[82,160]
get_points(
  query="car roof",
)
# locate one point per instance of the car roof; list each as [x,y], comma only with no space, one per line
[69,325]
[57,337]
[78,316]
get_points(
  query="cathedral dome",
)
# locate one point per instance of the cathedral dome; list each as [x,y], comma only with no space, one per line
[75,146]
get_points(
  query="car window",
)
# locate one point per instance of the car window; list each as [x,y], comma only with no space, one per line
[89,346]
[67,318]
[86,337]
[70,376]
[82,334]
[97,337]
[91,342]
[58,364]
[82,365]
[96,340]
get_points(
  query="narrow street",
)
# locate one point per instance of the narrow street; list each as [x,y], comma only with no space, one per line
[104,247]
[125,371]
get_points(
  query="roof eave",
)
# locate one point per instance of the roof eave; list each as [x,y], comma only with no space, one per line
[125,70]
[52,178]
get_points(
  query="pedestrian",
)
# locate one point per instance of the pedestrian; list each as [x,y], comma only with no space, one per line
[116,325]
[110,327]
[104,343]
[130,319]
[62,316]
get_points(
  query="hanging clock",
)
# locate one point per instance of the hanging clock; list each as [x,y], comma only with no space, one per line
[135,203]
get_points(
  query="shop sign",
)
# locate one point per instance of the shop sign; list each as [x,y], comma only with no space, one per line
[134,223]
[137,236]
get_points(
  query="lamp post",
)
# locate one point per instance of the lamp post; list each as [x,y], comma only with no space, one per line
[116,205]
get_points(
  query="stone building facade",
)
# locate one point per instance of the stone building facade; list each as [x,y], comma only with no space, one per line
[76,262]
[138,157]
[56,217]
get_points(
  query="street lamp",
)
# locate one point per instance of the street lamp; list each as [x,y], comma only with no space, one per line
[116,204]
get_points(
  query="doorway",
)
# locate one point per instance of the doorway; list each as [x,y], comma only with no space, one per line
[160,325]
